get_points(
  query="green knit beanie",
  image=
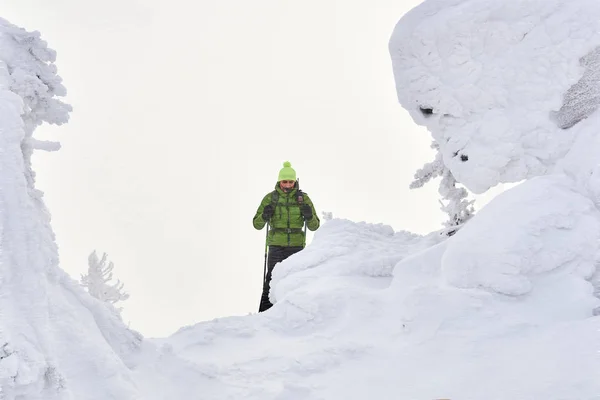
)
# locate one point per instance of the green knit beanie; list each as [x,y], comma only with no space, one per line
[287,173]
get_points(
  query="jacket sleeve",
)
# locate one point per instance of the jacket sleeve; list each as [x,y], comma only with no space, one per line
[314,223]
[258,220]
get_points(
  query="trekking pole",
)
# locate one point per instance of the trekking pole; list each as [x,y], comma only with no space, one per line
[304,234]
[301,201]
[265,268]
[266,248]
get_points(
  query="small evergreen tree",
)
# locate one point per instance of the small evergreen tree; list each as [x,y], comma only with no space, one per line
[97,280]
[458,208]
[454,199]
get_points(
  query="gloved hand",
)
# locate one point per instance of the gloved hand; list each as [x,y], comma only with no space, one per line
[267,212]
[306,211]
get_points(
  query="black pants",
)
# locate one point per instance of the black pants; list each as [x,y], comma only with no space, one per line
[276,254]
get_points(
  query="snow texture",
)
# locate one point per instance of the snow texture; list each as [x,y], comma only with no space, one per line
[56,341]
[503,309]
[498,83]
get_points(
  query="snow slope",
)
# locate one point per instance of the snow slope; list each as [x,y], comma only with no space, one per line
[368,313]
[504,309]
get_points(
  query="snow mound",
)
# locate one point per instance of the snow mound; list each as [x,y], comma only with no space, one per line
[344,325]
[501,85]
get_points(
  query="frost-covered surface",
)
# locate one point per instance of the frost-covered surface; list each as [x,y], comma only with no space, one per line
[504,309]
[366,313]
[498,78]
[48,327]
[331,315]
[56,341]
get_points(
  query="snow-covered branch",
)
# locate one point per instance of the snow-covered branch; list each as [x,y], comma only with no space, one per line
[454,199]
[97,280]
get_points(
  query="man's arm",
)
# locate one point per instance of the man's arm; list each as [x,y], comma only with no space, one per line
[258,220]
[313,223]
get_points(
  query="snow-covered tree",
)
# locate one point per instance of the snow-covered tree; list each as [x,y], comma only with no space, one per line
[458,208]
[454,199]
[29,91]
[34,78]
[48,324]
[98,280]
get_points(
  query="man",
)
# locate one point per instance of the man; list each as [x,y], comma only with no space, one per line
[284,211]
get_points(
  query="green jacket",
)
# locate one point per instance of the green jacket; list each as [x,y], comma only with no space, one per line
[287,222]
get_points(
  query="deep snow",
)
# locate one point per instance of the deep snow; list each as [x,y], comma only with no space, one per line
[501,310]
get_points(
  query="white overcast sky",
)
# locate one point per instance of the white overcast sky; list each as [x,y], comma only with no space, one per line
[183,114]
